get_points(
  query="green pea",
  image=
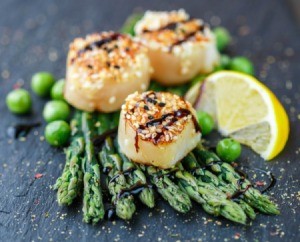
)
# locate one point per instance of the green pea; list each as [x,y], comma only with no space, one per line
[206,122]
[225,61]
[223,37]
[57,133]
[218,68]
[242,64]
[57,91]
[18,101]
[41,83]
[229,150]
[56,110]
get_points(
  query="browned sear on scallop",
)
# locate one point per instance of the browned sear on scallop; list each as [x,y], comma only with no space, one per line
[176,32]
[158,117]
[108,51]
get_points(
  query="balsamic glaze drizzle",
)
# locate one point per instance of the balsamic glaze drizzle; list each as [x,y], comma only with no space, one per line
[176,115]
[125,173]
[186,38]
[99,43]
[170,26]
[239,193]
[98,140]
[106,170]
[133,190]
[21,130]
[271,184]
[271,176]
[110,213]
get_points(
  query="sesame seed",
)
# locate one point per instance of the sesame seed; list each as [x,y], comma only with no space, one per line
[156,113]
[112,99]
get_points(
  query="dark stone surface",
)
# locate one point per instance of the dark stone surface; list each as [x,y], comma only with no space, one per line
[34,36]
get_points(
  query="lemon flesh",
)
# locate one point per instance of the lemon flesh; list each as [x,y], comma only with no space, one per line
[245,110]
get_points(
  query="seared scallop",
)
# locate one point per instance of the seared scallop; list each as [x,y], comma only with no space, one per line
[103,69]
[179,46]
[157,128]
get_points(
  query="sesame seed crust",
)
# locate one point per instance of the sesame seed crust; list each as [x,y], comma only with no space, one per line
[159,117]
[165,30]
[106,54]
[103,69]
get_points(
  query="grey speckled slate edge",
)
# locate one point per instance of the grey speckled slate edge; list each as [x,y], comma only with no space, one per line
[34,36]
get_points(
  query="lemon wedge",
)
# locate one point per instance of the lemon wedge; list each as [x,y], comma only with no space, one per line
[245,110]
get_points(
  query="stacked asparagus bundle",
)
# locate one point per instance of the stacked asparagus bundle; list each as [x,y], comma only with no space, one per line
[201,176]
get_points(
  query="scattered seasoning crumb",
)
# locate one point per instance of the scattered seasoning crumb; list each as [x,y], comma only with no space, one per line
[218,222]
[237,236]
[260,183]
[38,176]
[174,235]
[22,139]
[5,74]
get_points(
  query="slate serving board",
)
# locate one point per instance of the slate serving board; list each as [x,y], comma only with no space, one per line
[34,36]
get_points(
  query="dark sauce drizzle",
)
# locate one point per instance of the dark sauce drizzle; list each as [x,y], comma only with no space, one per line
[271,176]
[239,193]
[98,140]
[170,26]
[133,190]
[98,44]
[125,173]
[106,170]
[21,130]
[110,213]
[186,38]
[241,173]
[173,26]
[176,115]
[271,184]
[170,174]
[236,195]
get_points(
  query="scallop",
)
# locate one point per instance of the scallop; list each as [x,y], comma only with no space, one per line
[103,69]
[180,47]
[157,128]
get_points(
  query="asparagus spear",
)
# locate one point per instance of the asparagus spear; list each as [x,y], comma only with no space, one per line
[177,199]
[215,200]
[69,184]
[137,176]
[115,120]
[103,122]
[125,206]
[227,173]
[93,208]
[116,181]
[203,175]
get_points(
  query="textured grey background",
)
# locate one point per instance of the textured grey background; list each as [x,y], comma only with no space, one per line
[34,36]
